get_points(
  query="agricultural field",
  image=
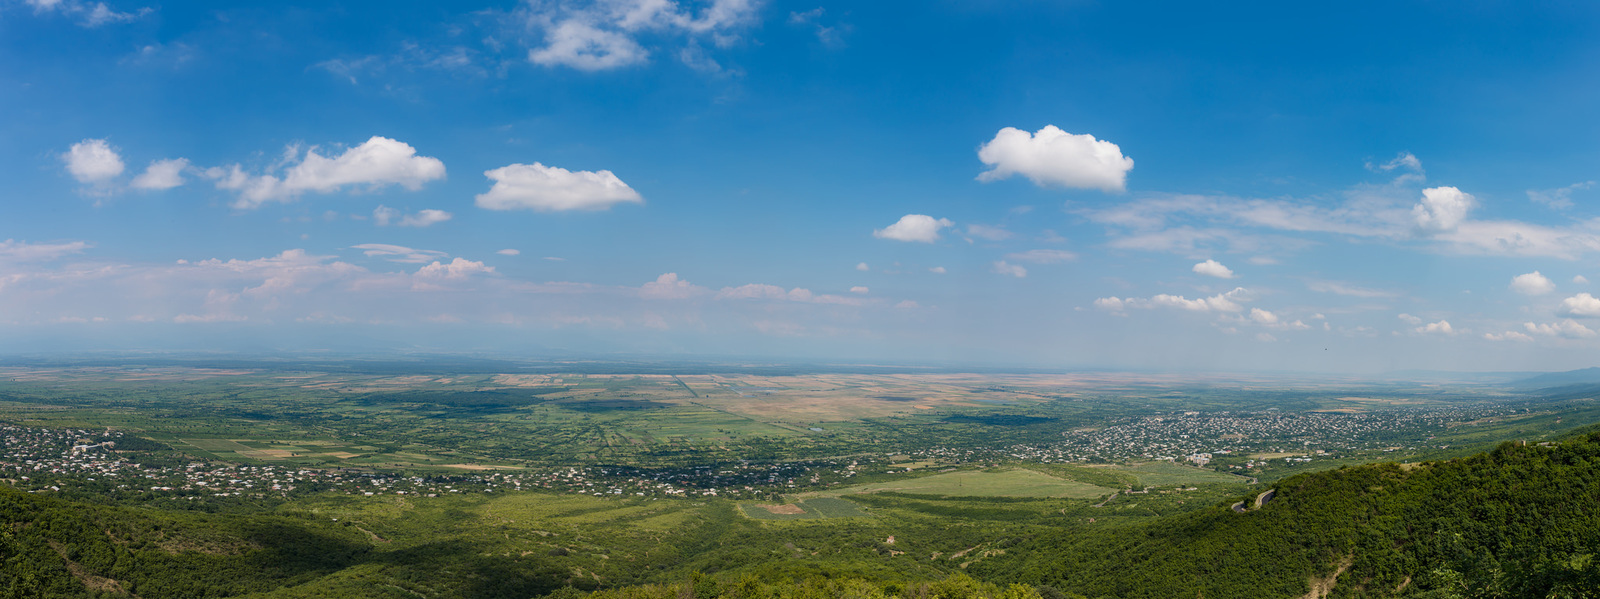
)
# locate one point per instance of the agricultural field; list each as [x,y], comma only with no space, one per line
[994,482]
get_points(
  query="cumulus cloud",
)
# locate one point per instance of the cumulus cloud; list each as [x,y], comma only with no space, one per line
[384,216]
[161,174]
[862,266]
[459,268]
[1442,209]
[552,189]
[1569,329]
[1507,336]
[1580,279]
[1222,302]
[1212,268]
[1581,305]
[379,162]
[1043,256]
[1559,198]
[914,227]
[1263,316]
[398,253]
[669,286]
[1532,283]
[1409,318]
[508,252]
[1005,268]
[860,290]
[93,161]
[596,36]
[1051,156]
[1442,328]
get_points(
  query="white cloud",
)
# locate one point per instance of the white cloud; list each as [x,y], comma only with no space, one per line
[1442,327]
[914,227]
[1405,160]
[1410,319]
[93,161]
[1222,302]
[1043,256]
[860,290]
[1560,198]
[1004,268]
[1507,336]
[1580,279]
[384,216]
[759,291]
[1266,337]
[596,36]
[1054,157]
[376,163]
[161,174]
[551,189]
[1532,283]
[1212,268]
[669,286]
[89,14]
[1442,209]
[1568,328]
[938,270]
[21,251]
[862,266]
[508,252]
[988,233]
[398,253]
[459,268]
[1263,316]
[1581,305]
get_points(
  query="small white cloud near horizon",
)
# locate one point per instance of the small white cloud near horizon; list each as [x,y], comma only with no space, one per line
[1212,268]
[1507,336]
[1532,283]
[459,268]
[376,163]
[919,228]
[1005,268]
[93,161]
[1222,302]
[554,189]
[1569,329]
[861,290]
[1582,305]
[1442,209]
[1442,328]
[1410,319]
[1054,157]
[509,252]
[938,270]
[1580,279]
[669,286]
[862,266]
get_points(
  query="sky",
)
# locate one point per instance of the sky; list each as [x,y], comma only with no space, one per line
[1162,186]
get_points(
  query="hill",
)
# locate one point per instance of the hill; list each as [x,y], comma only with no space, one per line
[1582,376]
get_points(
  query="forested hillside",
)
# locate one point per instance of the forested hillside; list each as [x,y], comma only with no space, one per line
[1519,521]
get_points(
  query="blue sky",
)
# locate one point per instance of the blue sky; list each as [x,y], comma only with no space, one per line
[1135,185]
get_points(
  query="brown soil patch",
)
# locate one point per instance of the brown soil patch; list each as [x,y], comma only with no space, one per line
[789,509]
[1322,587]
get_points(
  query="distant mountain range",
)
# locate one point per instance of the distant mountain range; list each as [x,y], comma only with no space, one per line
[1582,376]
